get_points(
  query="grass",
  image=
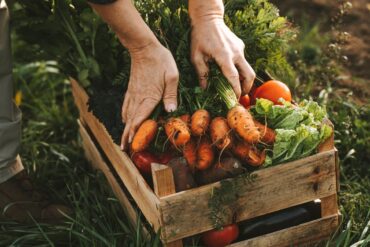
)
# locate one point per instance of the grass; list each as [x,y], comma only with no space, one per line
[52,155]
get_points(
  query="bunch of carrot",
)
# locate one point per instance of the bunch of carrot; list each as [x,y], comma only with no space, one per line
[200,138]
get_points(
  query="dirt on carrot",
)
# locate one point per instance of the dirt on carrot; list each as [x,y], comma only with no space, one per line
[240,120]
[267,134]
[200,122]
[177,132]
[220,133]
[205,154]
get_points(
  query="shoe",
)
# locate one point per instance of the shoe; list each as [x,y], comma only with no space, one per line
[20,201]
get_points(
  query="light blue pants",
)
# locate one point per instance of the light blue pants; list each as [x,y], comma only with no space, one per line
[10,115]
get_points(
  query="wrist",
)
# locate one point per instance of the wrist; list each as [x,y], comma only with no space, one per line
[145,49]
[139,42]
[204,11]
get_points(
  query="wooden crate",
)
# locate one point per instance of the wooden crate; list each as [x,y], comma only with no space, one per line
[184,214]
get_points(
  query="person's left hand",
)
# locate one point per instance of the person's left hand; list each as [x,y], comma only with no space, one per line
[213,40]
[153,77]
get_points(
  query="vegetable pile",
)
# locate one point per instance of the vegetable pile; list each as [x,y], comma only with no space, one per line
[204,146]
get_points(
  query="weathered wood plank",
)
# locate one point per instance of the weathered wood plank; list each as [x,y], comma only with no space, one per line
[164,185]
[187,213]
[163,180]
[96,160]
[306,233]
[145,198]
[329,205]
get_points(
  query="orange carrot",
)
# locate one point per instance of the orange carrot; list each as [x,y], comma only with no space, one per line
[240,120]
[200,122]
[267,134]
[190,153]
[177,131]
[144,135]
[256,157]
[205,154]
[248,153]
[241,149]
[220,133]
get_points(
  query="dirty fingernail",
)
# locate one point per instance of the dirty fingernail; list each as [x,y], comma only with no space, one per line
[170,107]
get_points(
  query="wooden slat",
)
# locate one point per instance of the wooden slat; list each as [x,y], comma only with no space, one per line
[144,197]
[329,204]
[163,181]
[94,157]
[306,233]
[337,168]
[275,188]
[164,185]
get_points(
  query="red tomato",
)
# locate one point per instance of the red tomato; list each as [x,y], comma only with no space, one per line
[221,238]
[245,101]
[143,161]
[273,90]
[165,157]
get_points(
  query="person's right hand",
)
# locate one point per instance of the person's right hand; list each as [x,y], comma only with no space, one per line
[154,76]
[212,40]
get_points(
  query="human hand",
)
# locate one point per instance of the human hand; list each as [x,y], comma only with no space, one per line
[211,40]
[153,76]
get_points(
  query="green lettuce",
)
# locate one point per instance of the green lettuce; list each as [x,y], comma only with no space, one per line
[299,129]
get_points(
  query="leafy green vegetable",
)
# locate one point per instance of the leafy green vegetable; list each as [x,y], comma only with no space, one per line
[299,129]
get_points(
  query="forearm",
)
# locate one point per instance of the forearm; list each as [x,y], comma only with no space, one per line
[205,10]
[127,23]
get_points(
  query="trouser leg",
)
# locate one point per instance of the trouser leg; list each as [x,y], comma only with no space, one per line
[10,115]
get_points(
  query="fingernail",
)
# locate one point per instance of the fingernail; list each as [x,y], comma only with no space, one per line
[130,139]
[170,107]
[122,147]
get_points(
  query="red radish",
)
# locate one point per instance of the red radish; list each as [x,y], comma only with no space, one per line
[164,158]
[143,161]
[245,101]
[221,238]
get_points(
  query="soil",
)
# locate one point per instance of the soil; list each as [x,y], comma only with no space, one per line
[356,23]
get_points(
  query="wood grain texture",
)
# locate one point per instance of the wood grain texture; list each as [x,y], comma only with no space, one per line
[163,181]
[187,213]
[164,185]
[329,205]
[300,235]
[143,195]
[94,157]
